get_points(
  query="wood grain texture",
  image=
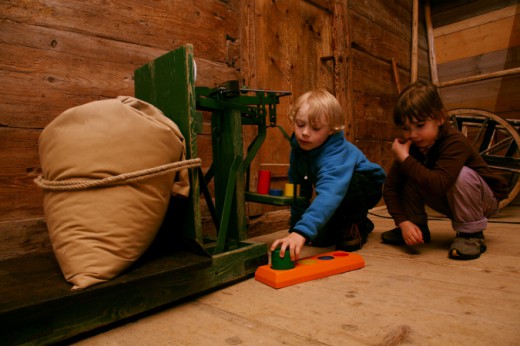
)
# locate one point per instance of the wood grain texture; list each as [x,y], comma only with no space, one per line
[411,293]
[488,37]
[54,56]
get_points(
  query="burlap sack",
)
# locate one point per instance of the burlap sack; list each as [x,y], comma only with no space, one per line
[98,231]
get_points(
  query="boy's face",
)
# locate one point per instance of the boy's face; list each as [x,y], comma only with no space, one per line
[310,135]
[422,133]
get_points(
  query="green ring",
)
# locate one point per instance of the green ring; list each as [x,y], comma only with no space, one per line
[279,263]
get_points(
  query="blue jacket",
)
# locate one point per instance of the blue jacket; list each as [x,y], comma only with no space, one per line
[328,170]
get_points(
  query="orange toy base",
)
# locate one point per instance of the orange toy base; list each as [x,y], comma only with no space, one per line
[310,268]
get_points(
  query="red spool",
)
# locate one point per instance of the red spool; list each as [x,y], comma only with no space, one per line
[264,182]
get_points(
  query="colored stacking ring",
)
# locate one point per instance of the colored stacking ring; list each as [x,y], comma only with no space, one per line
[280,263]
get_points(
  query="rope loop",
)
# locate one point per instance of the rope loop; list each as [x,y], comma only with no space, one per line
[81,184]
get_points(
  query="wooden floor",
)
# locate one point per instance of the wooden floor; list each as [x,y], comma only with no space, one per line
[409,296]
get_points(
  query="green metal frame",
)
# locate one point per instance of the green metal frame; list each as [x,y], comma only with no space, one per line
[232,108]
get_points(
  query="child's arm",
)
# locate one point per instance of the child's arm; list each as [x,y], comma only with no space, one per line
[293,242]
[392,191]
[452,152]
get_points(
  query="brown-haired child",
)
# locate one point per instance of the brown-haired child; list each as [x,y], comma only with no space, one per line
[435,165]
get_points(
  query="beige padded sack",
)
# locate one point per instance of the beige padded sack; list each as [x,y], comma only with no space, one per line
[108,170]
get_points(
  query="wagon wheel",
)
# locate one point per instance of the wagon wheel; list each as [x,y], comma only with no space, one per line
[496,139]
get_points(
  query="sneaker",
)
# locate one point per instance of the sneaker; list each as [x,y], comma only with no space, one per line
[395,236]
[366,226]
[467,246]
[351,239]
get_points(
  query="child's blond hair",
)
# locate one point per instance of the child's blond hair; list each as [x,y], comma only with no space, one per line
[323,107]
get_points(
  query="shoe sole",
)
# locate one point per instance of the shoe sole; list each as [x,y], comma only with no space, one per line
[456,255]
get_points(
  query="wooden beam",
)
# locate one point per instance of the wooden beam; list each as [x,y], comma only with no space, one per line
[431,42]
[488,37]
[477,21]
[497,74]
[415,40]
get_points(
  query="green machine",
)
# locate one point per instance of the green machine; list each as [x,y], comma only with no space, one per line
[168,83]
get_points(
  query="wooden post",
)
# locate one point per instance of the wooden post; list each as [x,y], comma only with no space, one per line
[415,40]
[168,83]
[431,42]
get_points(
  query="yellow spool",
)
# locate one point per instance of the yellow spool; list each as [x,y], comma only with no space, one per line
[289,190]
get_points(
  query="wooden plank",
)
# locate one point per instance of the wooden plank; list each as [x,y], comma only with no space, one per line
[38,307]
[23,238]
[484,76]
[377,152]
[19,165]
[481,64]
[44,64]
[403,296]
[374,77]
[342,43]
[476,21]
[415,40]
[58,40]
[431,43]
[160,24]
[278,170]
[494,95]
[446,12]
[492,36]
[395,16]
[37,76]
[269,222]
[379,42]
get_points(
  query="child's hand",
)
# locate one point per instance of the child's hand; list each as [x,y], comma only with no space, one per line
[401,148]
[412,234]
[293,242]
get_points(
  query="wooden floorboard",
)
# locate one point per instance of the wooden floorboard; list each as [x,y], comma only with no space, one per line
[409,296]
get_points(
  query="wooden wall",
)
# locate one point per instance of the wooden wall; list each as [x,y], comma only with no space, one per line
[381,32]
[59,54]
[363,41]
[474,38]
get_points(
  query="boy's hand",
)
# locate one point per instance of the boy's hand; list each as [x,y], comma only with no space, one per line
[293,242]
[412,234]
[401,148]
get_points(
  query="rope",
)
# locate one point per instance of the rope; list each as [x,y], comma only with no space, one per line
[77,184]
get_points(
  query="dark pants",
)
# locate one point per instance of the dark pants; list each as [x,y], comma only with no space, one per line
[362,195]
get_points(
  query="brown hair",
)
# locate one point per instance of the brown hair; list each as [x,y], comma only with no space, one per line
[322,106]
[418,102]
